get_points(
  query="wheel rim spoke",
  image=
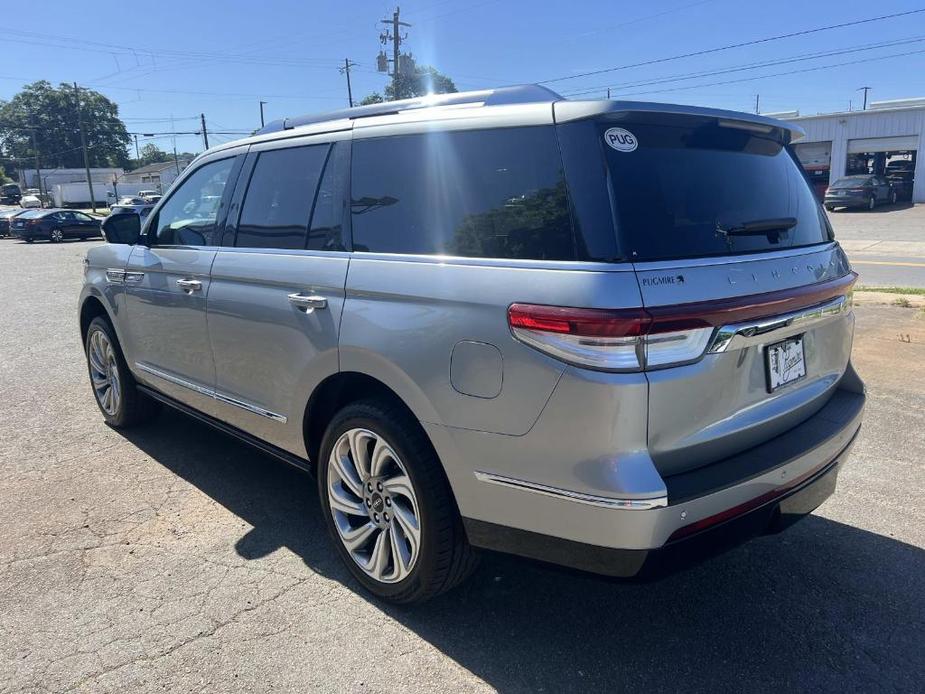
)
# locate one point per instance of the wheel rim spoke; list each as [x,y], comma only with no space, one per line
[359,454]
[407,525]
[346,472]
[401,555]
[357,538]
[342,503]
[379,559]
[367,481]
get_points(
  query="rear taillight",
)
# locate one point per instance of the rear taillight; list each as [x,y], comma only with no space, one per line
[645,338]
[609,339]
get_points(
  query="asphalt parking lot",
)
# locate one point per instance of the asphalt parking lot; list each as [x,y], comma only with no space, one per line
[887,245]
[174,559]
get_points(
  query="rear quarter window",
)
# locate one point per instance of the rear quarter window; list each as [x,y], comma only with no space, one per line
[484,194]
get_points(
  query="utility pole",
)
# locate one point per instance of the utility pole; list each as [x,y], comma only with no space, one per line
[261,113]
[137,155]
[608,92]
[865,90]
[83,144]
[35,152]
[396,38]
[757,99]
[205,135]
[345,70]
[176,162]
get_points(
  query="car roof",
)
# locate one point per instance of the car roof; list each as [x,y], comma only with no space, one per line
[529,104]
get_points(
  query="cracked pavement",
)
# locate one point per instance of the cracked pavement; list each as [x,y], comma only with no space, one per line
[172,558]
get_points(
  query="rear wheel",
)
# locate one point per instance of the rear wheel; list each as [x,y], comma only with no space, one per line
[114,387]
[388,505]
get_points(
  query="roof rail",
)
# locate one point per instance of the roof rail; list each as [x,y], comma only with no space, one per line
[520,94]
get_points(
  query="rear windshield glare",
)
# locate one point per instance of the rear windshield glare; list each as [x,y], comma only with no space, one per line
[699,188]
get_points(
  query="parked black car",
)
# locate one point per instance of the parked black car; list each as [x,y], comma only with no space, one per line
[902,181]
[54,225]
[5,217]
[859,191]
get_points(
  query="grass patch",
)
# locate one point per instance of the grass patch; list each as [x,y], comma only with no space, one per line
[902,302]
[908,291]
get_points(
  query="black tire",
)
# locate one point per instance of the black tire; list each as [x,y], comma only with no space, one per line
[56,236]
[871,203]
[893,197]
[445,558]
[830,208]
[134,407]
[30,240]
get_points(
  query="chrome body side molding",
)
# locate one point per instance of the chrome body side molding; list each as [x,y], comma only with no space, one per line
[568,495]
[211,393]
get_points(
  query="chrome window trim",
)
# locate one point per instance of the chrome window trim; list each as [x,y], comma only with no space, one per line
[211,393]
[734,259]
[568,495]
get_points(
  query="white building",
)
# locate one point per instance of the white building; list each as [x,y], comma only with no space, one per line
[156,176]
[857,142]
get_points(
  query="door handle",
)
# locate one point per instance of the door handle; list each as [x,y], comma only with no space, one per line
[308,303]
[190,286]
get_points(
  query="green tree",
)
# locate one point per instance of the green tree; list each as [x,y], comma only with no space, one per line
[53,113]
[152,154]
[425,79]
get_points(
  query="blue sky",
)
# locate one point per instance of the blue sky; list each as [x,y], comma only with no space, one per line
[175,59]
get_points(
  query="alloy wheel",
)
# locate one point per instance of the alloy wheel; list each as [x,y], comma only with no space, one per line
[104,373]
[374,505]
[872,203]
[56,236]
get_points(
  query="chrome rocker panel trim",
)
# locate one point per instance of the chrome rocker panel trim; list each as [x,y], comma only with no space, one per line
[209,392]
[568,495]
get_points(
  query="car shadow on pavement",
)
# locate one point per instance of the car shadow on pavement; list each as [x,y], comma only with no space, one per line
[822,606]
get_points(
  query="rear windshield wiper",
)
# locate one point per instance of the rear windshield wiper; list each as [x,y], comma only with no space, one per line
[757,227]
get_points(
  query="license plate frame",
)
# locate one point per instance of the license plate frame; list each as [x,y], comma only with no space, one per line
[784,363]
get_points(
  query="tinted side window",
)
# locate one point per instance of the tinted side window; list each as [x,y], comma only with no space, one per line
[483,194]
[326,233]
[188,217]
[278,202]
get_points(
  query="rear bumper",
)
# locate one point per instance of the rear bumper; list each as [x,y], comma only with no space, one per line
[852,201]
[708,510]
[676,554]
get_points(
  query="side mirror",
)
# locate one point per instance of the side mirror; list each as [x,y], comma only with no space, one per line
[122,228]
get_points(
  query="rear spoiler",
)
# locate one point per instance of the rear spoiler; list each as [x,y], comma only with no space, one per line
[568,111]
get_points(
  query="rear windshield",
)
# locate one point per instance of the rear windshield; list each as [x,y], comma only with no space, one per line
[691,188]
[851,182]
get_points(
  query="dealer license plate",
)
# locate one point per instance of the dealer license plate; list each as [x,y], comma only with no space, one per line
[786,363]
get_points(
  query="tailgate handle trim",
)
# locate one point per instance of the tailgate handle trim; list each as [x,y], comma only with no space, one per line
[730,335]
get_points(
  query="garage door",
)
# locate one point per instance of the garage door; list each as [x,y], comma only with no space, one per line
[883,144]
[814,154]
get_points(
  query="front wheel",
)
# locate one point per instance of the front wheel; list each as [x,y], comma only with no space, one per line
[893,197]
[388,505]
[114,388]
[871,203]
[56,236]
[30,240]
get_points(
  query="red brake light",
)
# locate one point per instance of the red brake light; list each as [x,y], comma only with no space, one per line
[584,322]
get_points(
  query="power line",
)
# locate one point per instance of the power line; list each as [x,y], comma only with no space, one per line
[779,74]
[751,66]
[731,46]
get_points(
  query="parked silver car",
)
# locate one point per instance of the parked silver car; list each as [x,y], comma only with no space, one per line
[610,335]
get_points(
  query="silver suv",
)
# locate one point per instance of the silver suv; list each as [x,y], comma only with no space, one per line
[610,335]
